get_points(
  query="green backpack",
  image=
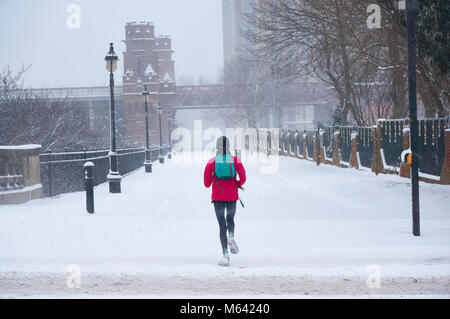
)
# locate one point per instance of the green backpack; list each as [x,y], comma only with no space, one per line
[224,168]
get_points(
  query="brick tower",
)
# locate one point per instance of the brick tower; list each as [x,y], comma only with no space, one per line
[147,60]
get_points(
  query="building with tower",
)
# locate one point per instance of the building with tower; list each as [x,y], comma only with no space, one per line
[148,61]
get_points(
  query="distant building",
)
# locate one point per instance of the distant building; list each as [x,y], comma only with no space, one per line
[234,22]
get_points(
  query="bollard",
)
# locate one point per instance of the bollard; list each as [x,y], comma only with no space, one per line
[89,185]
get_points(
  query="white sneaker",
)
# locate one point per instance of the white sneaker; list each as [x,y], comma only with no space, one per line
[225,261]
[232,243]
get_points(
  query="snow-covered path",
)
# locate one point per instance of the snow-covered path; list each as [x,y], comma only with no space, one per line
[305,230]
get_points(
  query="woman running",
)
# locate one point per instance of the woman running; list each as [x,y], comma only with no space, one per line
[221,172]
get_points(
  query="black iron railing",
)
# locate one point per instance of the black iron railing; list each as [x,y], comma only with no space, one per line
[345,142]
[328,142]
[432,145]
[365,146]
[64,172]
[390,134]
[392,141]
[310,144]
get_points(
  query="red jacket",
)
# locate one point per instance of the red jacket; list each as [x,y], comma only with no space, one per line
[227,190]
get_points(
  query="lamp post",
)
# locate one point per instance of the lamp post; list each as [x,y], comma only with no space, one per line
[411,26]
[147,162]
[114,177]
[161,157]
[169,155]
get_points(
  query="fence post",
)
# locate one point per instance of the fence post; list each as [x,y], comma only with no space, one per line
[445,173]
[354,162]
[377,164]
[405,169]
[316,154]
[322,151]
[281,142]
[89,185]
[336,148]
[295,144]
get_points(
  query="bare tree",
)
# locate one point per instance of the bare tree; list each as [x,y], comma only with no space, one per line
[329,40]
[10,81]
[53,122]
[242,87]
[309,38]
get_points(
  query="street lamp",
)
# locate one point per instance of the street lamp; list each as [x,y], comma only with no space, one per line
[169,155]
[411,7]
[412,88]
[114,177]
[161,157]
[147,162]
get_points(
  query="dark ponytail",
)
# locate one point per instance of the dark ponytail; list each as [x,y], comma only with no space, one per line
[223,146]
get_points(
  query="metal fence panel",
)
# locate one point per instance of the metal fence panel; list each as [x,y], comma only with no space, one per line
[392,141]
[328,142]
[345,143]
[64,172]
[310,144]
[299,142]
[432,145]
[365,146]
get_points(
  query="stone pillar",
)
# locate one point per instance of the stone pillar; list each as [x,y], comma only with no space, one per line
[354,162]
[445,173]
[405,169]
[281,143]
[336,157]
[305,150]
[377,162]
[296,145]
[322,150]
[20,179]
[316,146]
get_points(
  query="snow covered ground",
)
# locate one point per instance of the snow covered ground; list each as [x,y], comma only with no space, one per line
[305,231]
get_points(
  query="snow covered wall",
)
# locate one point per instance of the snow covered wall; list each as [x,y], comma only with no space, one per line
[20,178]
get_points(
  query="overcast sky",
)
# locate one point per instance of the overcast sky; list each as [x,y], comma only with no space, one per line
[35,32]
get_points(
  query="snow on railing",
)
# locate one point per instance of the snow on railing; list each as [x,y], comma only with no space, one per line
[378,147]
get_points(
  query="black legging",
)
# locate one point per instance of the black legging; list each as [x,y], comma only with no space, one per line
[225,223]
